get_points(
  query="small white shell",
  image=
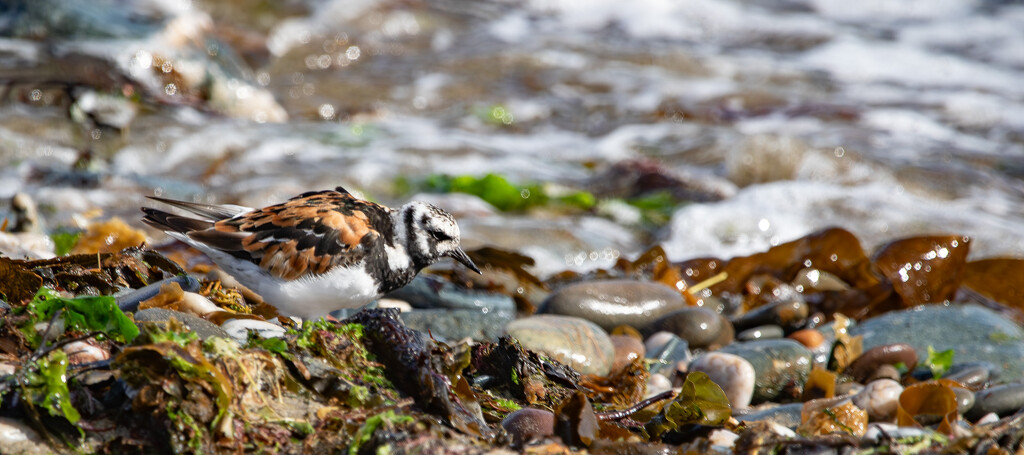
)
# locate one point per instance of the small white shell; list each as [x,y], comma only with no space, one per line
[239,329]
[83,352]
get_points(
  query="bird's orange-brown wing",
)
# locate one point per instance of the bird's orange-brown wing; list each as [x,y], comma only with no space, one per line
[307,235]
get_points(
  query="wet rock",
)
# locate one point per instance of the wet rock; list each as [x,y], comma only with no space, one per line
[17,437]
[814,280]
[734,374]
[528,424]
[84,352]
[615,302]
[964,399]
[764,332]
[787,415]
[656,384]
[670,356]
[890,354]
[785,313]
[972,374]
[627,349]
[1001,400]
[700,327]
[781,367]
[431,292]
[454,325]
[576,342]
[967,329]
[810,338]
[657,340]
[205,329]
[884,372]
[880,399]
[239,329]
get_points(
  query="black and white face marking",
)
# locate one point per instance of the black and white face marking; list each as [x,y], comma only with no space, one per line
[430,234]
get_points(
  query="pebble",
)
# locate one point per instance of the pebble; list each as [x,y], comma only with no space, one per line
[239,329]
[84,352]
[781,367]
[615,302]
[734,374]
[888,431]
[205,329]
[964,399]
[670,356]
[890,354]
[848,388]
[810,338]
[453,325]
[764,332]
[785,313]
[656,384]
[627,349]
[528,424]
[17,437]
[814,280]
[967,329]
[1002,400]
[656,341]
[880,399]
[787,415]
[433,292]
[973,375]
[576,342]
[700,327]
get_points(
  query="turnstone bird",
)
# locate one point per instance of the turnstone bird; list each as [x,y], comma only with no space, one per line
[317,252]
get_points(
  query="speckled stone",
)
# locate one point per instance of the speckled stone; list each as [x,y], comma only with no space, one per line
[615,302]
[205,329]
[576,342]
[700,327]
[734,374]
[781,367]
[627,349]
[971,331]
[1001,400]
[527,424]
[787,415]
[451,325]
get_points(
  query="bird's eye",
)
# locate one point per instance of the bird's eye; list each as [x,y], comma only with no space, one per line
[440,236]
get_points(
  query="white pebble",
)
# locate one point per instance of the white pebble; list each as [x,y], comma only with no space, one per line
[655,342]
[197,304]
[656,384]
[734,374]
[723,438]
[402,305]
[17,436]
[239,329]
[83,352]
[879,398]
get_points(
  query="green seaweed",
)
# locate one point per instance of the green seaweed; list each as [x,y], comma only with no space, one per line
[700,401]
[939,362]
[83,314]
[365,432]
[64,241]
[45,384]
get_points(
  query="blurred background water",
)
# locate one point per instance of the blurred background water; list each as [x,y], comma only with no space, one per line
[710,127]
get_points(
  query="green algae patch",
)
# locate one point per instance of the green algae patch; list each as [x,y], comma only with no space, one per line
[81,314]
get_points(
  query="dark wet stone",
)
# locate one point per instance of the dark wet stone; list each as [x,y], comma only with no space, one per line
[972,331]
[786,313]
[764,332]
[964,399]
[454,325]
[627,349]
[129,301]
[428,291]
[669,355]
[890,354]
[1002,400]
[972,374]
[700,327]
[615,302]
[883,372]
[781,367]
[205,329]
[576,342]
[527,424]
[787,415]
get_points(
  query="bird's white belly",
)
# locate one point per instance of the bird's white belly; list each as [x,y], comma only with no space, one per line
[316,296]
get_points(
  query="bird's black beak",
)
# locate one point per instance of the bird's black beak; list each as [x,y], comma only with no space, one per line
[462,257]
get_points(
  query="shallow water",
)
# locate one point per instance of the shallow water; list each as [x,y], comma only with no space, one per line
[789,116]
